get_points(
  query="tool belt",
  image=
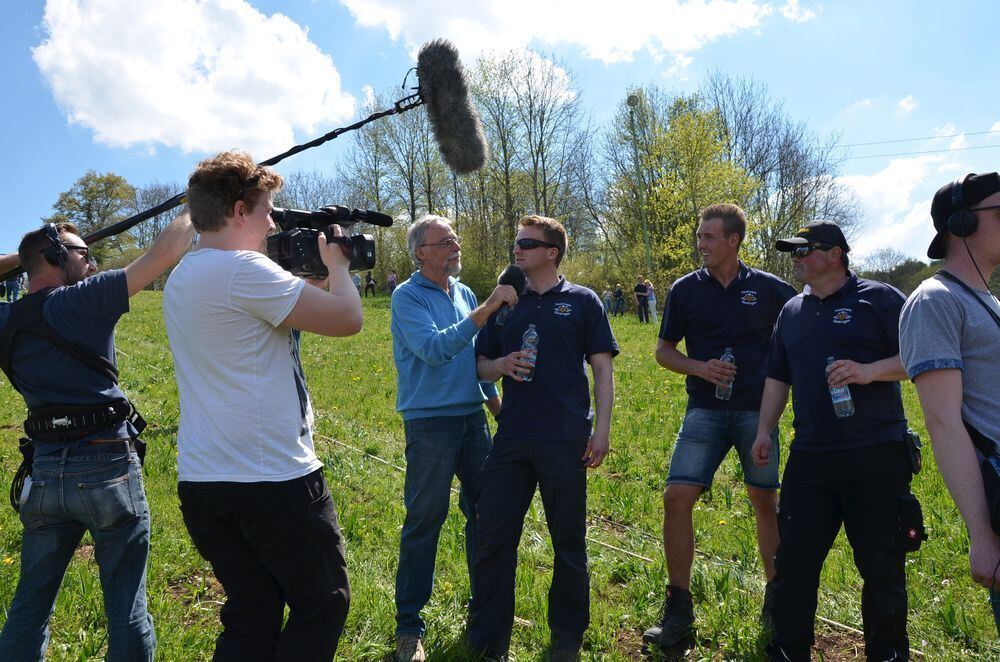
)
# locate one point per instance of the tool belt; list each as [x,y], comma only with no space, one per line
[67,423]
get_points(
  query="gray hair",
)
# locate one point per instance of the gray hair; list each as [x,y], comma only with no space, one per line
[418,230]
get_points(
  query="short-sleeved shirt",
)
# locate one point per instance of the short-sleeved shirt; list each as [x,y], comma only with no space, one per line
[859,322]
[710,317]
[941,327]
[245,412]
[572,325]
[84,313]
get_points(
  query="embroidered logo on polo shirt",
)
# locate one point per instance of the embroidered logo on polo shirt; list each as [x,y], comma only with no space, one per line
[563,309]
[748,297]
[842,315]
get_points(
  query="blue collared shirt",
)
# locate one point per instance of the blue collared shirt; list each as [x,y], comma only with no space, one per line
[709,318]
[432,337]
[860,322]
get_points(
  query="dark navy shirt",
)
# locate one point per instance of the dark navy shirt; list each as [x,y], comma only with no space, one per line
[860,322]
[572,325]
[710,318]
[84,313]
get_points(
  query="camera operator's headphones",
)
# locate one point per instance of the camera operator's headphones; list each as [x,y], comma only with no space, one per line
[961,222]
[56,254]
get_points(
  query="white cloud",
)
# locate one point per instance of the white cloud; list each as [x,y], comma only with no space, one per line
[667,29]
[201,76]
[860,105]
[793,12]
[907,104]
[896,202]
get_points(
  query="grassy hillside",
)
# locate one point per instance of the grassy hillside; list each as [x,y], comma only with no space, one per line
[360,439]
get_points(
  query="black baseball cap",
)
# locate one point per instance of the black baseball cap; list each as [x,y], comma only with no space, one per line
[817,232]
[975,188]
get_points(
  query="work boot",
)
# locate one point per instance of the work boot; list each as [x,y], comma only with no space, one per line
[677,624]
[409,648]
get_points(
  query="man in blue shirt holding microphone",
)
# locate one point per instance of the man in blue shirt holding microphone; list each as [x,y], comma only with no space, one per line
[435,319]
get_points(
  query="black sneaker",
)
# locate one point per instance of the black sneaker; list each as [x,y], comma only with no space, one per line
[677,624]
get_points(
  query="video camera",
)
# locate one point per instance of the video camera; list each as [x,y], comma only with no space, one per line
[294,247]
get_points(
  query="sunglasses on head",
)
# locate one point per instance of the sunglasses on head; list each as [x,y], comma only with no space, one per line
[804,251]
[526,244]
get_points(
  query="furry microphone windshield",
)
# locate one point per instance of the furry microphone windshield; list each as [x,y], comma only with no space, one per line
[453,118]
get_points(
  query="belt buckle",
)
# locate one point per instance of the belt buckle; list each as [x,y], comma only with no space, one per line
[62,422]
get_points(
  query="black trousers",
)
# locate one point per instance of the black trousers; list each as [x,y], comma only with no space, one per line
[510,474]
[272,544]
[863,489]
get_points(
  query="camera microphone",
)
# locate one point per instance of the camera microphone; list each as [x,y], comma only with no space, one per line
[454,120]
[514,276]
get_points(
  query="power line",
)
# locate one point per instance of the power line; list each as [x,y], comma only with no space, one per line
[909,140]
[926,151]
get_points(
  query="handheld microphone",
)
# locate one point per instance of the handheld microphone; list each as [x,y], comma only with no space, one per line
[454,120]
[513,276]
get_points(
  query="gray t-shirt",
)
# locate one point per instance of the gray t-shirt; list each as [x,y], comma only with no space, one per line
[941,327]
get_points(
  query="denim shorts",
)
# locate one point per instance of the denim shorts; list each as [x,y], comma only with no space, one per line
[703,441]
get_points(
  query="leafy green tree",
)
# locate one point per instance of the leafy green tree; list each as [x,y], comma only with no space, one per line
[96,201]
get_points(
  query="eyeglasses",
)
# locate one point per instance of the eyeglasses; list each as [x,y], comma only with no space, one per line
[804,251]
[987,208]
[444,243]
[526,244]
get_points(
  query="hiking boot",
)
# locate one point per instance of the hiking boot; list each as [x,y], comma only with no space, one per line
[677,624]
[564,654]
[410,648]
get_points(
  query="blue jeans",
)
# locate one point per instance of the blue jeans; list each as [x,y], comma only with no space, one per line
[91,488]
[995,601]
[437,449]
[706,435]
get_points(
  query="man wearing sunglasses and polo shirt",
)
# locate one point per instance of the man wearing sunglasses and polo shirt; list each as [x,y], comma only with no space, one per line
[851,470]
[546,437]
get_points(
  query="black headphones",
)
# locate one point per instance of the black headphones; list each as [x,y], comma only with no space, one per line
[961,222]
[56,254]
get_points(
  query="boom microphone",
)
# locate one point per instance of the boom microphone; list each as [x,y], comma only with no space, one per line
[513,276]
[454,120]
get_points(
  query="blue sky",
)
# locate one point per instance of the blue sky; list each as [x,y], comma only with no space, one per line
[146,89]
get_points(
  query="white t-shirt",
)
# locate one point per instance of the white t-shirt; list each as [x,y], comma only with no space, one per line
[245,411]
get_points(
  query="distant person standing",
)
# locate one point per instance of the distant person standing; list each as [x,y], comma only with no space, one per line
[651,301]
[619,302]
[724,305]
[369,284]
[390,282]
[641,299]
[606,298]
[356,279]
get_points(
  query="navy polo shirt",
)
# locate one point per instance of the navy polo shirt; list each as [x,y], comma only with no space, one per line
[572,325]
[711,317]
[860,322]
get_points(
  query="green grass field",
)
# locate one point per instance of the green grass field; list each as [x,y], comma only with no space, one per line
[360,439]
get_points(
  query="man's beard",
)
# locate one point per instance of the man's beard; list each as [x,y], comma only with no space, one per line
[453,270]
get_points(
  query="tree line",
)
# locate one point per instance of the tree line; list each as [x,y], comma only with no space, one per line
[628,191]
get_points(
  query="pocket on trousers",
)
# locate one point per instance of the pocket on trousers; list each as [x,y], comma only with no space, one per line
[31,510]
[110,503]
[910,524]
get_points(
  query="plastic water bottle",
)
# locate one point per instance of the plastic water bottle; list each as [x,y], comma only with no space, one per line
[843,405]
[725,391]
[529,345]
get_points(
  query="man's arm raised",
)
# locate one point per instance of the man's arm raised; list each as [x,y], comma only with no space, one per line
[165,251]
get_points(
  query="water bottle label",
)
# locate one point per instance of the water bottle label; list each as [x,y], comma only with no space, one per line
[840,394]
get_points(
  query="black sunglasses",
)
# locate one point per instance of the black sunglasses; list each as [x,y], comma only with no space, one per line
[804,251]
[84,250]
[526,244]
[987,208]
